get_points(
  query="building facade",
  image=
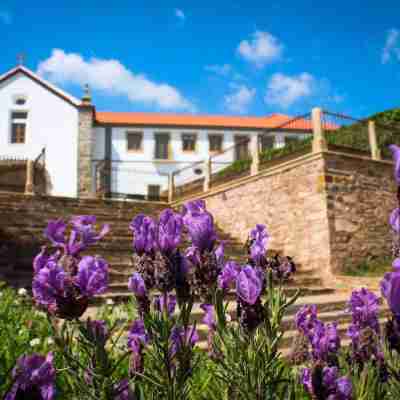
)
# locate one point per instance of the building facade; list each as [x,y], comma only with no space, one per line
[140,150]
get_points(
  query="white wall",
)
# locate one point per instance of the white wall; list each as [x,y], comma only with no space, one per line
[133,172]
[52,123]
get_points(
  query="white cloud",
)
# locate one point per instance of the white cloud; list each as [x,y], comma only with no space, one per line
[112,78]
[262,49]
[5,17]
[284,90]
[180,14]
[392,46]
[223,70]
[240,99]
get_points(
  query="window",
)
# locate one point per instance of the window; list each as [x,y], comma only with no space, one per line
[266,142]
[189,141]
[215,142]
[241,147]
[162,146]
[134,141]
[18,126]
[153,192]
[20,101]
[291,140]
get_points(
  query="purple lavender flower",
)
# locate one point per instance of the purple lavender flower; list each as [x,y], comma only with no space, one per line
[259,241]
[364,330]
[43,259]
[83,229]
[136,285]
[81,236]
[193,207]
[145,234]
[34,377]
[396,264]
[323,383]
[181,337]
[325,341]
[209,317]
[228,275]
[249,284]
[396,158]
[165,303]
[122,391]
[137,340]
[137,335]
[48,285]
[364,307]
[390,289]
[201,231]
[55,232]
[169,231]
[394,220]
[306,320]
[92,277]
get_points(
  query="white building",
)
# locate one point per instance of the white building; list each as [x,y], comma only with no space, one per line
[139,149]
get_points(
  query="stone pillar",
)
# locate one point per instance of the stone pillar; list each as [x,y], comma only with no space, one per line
[29,177]
[255,157]
[319,141]
[171,186]
[85,147]
[373,143]
[207,174]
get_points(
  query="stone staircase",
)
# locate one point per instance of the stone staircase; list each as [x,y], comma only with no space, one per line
[23,219]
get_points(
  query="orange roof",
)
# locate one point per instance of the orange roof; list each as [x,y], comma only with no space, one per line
[188,120]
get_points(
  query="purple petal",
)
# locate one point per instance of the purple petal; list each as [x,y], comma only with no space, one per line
[92,277]
[169,230]
[136,285]
[396,159]
[55,232]
[228,275]
[249,285]
[394,220]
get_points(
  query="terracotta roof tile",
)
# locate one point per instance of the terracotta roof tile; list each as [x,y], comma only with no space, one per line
[188,120]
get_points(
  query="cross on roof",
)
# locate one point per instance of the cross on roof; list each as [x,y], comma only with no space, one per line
[21,58]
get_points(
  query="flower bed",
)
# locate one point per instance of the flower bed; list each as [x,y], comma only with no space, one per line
[49,351]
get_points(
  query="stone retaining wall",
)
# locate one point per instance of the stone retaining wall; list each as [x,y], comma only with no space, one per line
[324,209]
[360,196]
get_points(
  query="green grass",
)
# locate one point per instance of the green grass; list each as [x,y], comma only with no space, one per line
[373,267]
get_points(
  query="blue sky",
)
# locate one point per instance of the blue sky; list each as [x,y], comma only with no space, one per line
[213,57]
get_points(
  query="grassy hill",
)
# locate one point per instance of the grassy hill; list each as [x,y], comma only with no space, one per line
[356,135]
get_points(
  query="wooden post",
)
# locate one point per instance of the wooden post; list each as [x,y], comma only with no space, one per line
[29,177]
[255,158]
[207,174]
[171,185]
[319,141]
[373,143]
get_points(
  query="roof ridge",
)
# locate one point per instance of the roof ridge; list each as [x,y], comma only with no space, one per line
[28,72]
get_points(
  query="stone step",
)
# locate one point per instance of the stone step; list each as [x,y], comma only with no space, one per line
[119,293]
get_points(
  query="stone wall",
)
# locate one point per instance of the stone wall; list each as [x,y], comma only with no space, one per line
[324,209]
[85,151]
[360,197]
[13,176]
[288,200]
